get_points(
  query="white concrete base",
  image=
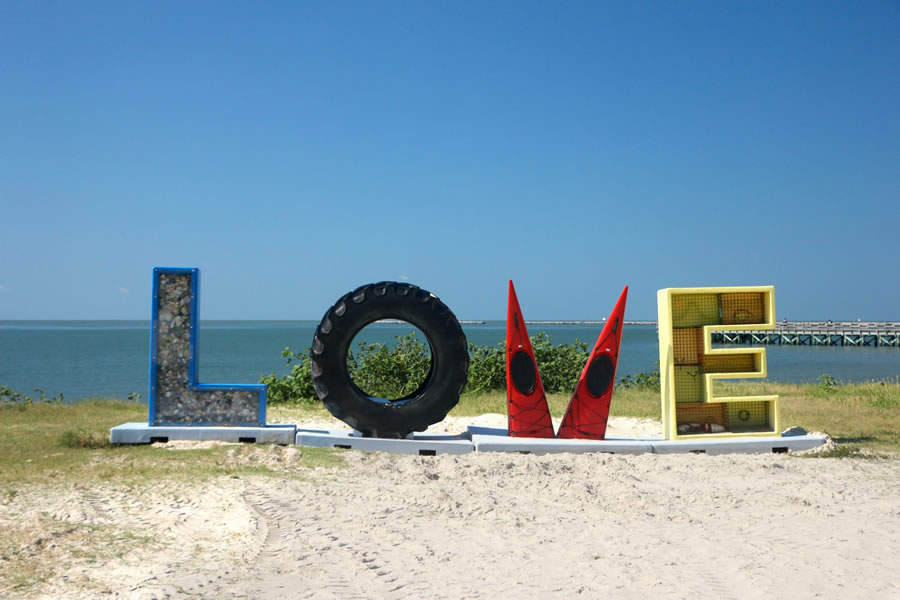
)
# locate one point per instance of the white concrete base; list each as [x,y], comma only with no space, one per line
[423,444]
[141,433]
[490,443]
[492,439]
[748,445]
[477,439]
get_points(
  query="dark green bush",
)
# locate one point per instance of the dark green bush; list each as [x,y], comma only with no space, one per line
[397,371]
[295,387]
[9,396]
[390,373]
[487,368]
[561,365]
[826,383]
[642,381]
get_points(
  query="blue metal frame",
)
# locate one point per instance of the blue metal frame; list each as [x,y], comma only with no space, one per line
[193,384]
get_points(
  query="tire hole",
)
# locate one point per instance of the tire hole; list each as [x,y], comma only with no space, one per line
[389,360]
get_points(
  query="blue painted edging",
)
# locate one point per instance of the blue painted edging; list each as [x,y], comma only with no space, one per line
[193,384]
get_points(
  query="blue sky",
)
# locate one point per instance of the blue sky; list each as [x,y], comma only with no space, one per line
[294,151]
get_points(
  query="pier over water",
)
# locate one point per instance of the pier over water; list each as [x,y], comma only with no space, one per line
[811,333]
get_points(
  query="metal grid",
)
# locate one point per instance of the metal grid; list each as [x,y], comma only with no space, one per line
[728,363]
[748,414]
[689,384]
[688,346]
[742,308]
[695,310]
[701,414]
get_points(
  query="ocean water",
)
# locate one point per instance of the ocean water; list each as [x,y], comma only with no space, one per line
[83,359]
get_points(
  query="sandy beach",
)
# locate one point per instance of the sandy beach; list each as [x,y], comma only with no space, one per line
[483,526]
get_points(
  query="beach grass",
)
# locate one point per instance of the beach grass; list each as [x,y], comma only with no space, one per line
[45,443]
[33,550]
[48,447]
[857,415]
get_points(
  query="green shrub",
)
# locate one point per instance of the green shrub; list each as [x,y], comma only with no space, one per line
[9,396]
[826,383]
[376,369]
[642,381]
[394,372]
[390,373]
[294,388]
[397,371]
[487,368]
[560,365]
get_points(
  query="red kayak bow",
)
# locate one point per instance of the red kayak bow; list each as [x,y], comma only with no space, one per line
[588,409]
[529,415]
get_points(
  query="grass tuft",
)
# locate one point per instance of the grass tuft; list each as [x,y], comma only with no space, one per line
[46,443]
[85,438]
[864,415]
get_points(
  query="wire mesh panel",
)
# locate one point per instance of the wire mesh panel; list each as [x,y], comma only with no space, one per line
[689,384]
[691,404]
[691,418]
[742,308]
[748,414]
[687,345]
[695,310]
[723,363]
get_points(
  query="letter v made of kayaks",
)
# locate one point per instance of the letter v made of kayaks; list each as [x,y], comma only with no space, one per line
[588,410]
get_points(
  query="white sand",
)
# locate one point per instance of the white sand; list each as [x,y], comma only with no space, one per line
[497,526]
[618,426]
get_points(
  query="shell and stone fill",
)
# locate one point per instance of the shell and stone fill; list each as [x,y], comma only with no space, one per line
[176,402]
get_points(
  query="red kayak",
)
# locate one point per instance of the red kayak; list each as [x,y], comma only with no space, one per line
[589,407]
[529,415]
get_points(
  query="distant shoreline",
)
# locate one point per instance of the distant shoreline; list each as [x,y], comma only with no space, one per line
[627,322]
[473,322]
[23,323]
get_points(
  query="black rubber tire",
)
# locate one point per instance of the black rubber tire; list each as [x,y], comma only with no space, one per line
[431,402]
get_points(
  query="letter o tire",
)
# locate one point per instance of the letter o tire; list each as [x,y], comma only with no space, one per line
[434,398]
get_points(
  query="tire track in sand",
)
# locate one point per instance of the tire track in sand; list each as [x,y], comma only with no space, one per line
[301,556]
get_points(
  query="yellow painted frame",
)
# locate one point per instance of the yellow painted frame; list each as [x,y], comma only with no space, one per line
[667,359]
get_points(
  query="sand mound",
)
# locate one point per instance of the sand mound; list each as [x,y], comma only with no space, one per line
[476,526]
